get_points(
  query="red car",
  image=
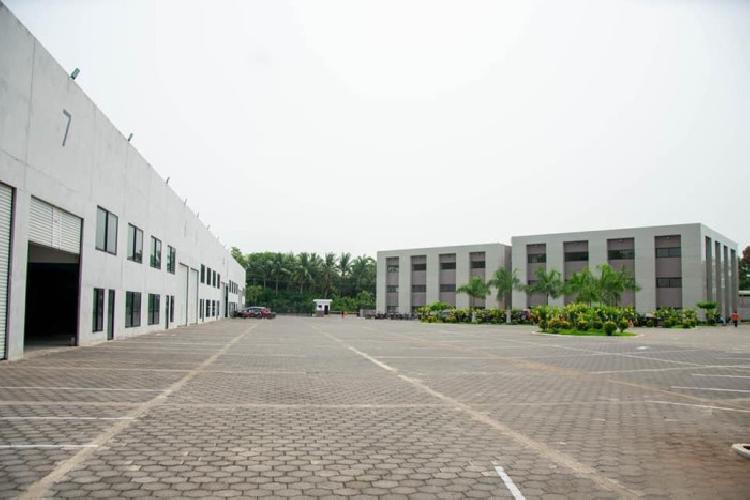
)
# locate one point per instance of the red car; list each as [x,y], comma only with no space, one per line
[255,312]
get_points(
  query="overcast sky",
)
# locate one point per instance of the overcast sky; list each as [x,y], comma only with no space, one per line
[368,125]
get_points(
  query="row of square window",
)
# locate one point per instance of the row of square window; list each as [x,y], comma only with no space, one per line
[106,241]
[444,287]
[451,287]
[210,276]
[133,308]
[626,254]
[476,264]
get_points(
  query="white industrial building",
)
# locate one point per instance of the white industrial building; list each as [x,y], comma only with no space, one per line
[675,266]
[94,244]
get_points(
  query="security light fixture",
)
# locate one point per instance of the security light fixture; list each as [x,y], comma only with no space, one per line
[130,136]
[74,74]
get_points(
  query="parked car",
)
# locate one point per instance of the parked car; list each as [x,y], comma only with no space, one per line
[255,312]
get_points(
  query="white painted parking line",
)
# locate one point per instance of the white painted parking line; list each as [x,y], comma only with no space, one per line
[646,370]
[77,388]
[710,389]
[50,446]
[723,408]
[509,483]
[66,418]
[709,375]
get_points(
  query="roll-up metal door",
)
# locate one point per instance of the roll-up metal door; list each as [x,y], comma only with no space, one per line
[54,227]
[6,198]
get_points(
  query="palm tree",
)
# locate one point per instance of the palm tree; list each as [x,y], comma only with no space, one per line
[303,270]
[363,274]
[549,284]
[476,288]
[344,267]
[279,268]
[613,283]
[505,282]
[329,273]
[584,286]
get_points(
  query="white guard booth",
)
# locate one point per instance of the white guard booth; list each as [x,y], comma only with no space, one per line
[322,306]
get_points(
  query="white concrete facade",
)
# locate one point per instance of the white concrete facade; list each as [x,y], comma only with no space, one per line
[686,271]
[40,108]
[692,262]
[495,256]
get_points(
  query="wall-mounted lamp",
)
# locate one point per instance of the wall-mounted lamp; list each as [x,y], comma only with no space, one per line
[74,74]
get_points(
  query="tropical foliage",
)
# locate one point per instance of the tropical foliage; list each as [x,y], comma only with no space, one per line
[745,269]
[288,282]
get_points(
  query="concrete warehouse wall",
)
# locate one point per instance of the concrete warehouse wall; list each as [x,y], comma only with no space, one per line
[95,167]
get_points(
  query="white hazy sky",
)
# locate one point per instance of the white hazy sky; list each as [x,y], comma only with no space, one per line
[366,125]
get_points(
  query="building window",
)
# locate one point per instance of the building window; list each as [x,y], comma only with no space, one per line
[98,325]
[419,267]
[447,265]
[200,309]
[537,258]
[106,231]
[171,308]
[391,264]
[391,288]
[135,244]
[203,273]
[208,308]
[447,287]
[171,259]
[391,309]
[668,282]
[662,253]
[132,309]
[477,264]
[576,256]
[153,308]
[214,279]
[419,288]
[627,254]
[155,252]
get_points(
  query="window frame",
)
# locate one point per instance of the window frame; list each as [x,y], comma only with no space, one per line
[155,259]
[154,309]
[133,309]
[171,259]
[98,311]
[669,252]
[108,231]
[135,244]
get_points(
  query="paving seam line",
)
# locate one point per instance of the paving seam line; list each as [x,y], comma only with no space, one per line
[580,469]
[41,487]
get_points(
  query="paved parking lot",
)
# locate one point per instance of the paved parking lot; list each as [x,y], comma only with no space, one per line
[308,407]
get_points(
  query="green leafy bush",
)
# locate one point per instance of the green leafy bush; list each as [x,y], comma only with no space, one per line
[582,325]
[554,326]
[623,325]
[610,327]
[597,324]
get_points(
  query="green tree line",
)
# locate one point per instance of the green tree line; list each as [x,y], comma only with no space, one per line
[288,282]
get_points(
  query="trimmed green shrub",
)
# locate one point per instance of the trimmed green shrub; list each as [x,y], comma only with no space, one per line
[609,327]
[554,326]
[582,325]
[622,325]
[597,324]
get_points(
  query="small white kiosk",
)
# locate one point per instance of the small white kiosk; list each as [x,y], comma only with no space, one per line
[322,306]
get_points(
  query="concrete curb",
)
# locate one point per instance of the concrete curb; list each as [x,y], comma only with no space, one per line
[742,449]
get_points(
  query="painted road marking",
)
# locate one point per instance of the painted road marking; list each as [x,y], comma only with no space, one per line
[78,388]
[709,375]
[66,418]
[509,483]
[724,408]
[26,446]
[710,389]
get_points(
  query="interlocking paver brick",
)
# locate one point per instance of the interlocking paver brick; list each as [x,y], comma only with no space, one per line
[289,410]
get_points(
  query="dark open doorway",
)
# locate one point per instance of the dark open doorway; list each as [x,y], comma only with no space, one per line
[52,293]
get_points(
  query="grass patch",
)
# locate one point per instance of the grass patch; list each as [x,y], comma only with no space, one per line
[591,333]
